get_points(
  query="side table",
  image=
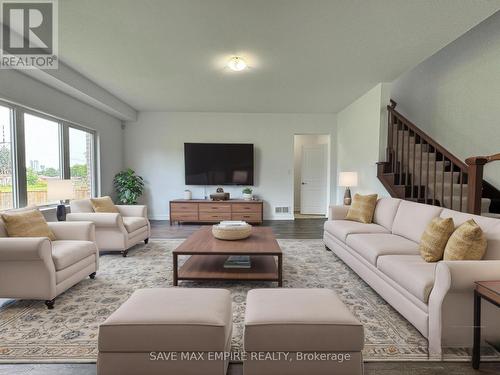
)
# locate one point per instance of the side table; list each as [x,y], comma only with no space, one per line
[489,291]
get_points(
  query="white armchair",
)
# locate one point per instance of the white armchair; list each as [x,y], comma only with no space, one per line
[114,231]
[37,268]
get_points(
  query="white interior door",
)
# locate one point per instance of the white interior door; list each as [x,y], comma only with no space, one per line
[313,180]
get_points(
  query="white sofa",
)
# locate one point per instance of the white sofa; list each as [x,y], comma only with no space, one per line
[114,231]
[37,268]
[437,298]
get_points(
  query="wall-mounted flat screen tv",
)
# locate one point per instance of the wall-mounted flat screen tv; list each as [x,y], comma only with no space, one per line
[218,163]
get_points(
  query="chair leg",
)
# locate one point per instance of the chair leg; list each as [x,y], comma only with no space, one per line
[50,303]
[92,275]
[146,241]
[124,253]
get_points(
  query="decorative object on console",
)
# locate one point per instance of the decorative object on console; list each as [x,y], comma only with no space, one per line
[220,195]
[188,195]
[348,180]
[247,194]
[60,190]
[232,230]
[128,186]
[363,208]
[468,242]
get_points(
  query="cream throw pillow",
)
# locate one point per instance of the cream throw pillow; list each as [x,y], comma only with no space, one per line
[435,237]
[468,242]
[362,208]
[104,204]
[28,223]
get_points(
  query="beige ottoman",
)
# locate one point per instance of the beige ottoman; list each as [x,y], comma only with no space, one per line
[301,331]
[167,331]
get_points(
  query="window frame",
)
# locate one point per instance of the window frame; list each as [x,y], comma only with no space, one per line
[20,188]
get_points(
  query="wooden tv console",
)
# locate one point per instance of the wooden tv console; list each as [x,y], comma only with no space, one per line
[207,211]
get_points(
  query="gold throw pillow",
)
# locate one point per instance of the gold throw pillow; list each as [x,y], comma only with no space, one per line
[468,242]
[362,208]
[104,204]
[29,223]
[435,237]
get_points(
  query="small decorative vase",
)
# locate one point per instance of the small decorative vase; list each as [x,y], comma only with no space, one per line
[247,197]
[187,194]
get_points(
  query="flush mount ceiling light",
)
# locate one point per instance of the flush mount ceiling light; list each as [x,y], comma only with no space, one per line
[237,64]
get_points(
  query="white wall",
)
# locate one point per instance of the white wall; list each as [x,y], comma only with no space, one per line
[359,144]
[23,90]
[155,149]
[300,141]
[454,96]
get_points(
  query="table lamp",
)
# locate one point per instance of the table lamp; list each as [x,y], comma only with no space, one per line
[60,190]
[348,180]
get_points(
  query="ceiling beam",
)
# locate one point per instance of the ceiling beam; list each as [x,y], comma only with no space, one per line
[73,83]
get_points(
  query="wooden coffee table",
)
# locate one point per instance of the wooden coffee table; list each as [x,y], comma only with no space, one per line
[208,255]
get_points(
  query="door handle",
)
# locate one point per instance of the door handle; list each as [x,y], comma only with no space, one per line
[304,183]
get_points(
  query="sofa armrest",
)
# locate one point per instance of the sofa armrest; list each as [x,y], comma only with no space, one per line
[133,210]
[463,273]
[337,212]
[73,230]
[100,219]
[25,249]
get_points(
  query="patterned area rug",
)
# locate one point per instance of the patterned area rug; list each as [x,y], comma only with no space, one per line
[68,333]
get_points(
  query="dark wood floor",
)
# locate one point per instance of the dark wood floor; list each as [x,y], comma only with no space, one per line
[301,229]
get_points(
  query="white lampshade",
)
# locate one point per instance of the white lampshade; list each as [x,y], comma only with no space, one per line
[59,190]
[348,179]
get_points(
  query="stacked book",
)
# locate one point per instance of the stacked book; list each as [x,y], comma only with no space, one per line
[236,261]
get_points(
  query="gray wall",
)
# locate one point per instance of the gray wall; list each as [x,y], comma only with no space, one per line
[154,147]
[454,95]
[23,90]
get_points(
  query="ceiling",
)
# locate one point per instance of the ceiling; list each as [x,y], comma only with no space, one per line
[305,56]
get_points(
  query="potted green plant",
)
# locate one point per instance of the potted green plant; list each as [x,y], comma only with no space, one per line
[247,194]
[129,186]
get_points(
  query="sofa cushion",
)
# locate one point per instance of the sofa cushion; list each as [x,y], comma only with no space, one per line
[81,206]
[66,253]
[104,204]
[132,223]
[468,242]
[27,223]
[169,319]
[300,320]
[342,228]
[372,246]
[489,225]
[362,209]
[410,272]
[435,237]
[412,219]
[385,211]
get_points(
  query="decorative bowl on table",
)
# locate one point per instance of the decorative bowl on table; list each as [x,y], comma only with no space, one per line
[232,233]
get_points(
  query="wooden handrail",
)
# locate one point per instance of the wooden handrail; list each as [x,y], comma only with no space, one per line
[415,129]
[482,159]
[408,168]
[476,170]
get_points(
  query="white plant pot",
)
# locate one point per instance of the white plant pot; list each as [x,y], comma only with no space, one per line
[247,197]
[187,195]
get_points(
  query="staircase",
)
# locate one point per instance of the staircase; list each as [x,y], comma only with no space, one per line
[421,170]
